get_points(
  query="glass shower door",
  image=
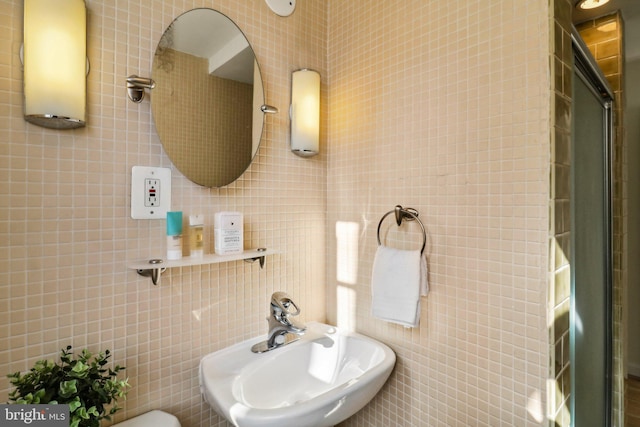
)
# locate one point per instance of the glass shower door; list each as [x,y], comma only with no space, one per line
[591,262]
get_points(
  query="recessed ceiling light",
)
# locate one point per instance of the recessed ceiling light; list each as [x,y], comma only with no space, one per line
[591,4]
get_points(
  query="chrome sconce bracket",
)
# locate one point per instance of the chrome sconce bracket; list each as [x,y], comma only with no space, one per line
[136,86]
[268,109]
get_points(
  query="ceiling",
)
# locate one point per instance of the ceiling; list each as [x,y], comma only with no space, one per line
[630,10]
[208,34]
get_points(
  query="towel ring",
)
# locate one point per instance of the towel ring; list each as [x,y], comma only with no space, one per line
[409,214]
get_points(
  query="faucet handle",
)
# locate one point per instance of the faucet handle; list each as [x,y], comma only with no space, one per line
[283,301]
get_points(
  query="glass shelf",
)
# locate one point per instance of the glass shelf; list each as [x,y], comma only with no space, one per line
[153,268]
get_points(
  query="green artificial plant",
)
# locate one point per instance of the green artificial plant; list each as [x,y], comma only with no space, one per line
[84,383]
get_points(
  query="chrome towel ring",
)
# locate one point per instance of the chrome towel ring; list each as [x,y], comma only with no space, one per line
[409,214]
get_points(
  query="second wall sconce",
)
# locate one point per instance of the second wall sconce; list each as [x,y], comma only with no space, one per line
[305,112]
[55,63]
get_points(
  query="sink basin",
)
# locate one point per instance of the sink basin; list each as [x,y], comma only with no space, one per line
[320,380]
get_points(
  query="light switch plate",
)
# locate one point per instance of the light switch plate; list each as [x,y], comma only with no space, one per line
[150,192]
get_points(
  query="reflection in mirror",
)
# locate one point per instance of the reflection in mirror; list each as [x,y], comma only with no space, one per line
[206,103]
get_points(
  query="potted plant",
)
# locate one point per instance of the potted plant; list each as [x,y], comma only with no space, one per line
[84,383]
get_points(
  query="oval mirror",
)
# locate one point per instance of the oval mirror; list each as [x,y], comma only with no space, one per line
[207,99]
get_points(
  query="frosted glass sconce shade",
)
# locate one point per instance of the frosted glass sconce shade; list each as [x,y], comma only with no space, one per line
[305,112]
[55,63]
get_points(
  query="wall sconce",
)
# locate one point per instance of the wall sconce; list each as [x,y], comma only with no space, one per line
[55,63]
[305,112]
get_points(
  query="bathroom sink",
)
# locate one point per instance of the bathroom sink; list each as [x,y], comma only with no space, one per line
[320,380]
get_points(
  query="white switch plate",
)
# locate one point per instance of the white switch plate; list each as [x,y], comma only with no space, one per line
[150,192]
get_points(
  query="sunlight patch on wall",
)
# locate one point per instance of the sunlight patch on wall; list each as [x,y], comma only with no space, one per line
[347,234]
[534,406]
[346,306]
[347,252]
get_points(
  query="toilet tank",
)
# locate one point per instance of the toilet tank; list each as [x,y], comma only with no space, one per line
[151,419]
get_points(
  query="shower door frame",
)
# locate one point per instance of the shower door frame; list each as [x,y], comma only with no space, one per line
[587,70]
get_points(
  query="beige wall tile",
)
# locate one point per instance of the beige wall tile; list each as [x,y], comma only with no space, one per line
[448,114]
[66,232]
[436,106]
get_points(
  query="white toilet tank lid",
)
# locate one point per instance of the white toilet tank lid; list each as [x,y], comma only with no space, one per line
[153,418]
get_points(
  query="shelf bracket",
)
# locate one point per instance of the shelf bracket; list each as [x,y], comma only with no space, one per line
[262,258]
[154,273]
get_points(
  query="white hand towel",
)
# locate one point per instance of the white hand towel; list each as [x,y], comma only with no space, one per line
[398,279]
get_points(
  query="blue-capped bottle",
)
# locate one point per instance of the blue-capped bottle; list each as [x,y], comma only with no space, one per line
[174,235]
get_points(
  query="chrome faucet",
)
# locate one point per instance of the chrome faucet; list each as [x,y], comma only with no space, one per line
[282,329]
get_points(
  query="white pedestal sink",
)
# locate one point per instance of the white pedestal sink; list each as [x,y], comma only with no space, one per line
[320,380]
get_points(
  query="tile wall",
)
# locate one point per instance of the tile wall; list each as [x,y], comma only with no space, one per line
[440,106]
[445,107]
[559,390]
[66,236]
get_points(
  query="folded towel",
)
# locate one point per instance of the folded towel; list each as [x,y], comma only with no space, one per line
[398,279]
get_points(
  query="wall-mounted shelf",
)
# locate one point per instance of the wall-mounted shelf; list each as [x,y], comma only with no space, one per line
[155,267]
